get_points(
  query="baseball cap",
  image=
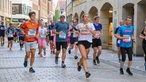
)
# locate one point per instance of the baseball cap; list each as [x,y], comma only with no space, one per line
[62,16]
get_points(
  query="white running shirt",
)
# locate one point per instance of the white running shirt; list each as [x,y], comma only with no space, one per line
[85,34]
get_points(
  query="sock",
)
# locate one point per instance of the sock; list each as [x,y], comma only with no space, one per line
[62,61]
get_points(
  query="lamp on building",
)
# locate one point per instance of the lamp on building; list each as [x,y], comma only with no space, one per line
[110,10]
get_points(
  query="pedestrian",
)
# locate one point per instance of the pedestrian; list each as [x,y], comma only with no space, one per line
[68,38]
[40,24]
[30,31]
[73,39]
[21,37]
[126,35]
[42,32]
[143,36]
[118,41]
[61,29]
[51,37]
[86,30]
[96,41]
[10,33]
[15,34]
[2,33]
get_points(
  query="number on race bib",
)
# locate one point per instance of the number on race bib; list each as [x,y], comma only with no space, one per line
[84,32]
[32,32]
[118,41]
[43,35]
[128,39]
[62,36]
[75,35]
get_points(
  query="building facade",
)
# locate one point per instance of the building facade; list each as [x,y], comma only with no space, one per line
[5,11]
[50,10]
[111,12]
[35,7]
[43,10]
[20,10]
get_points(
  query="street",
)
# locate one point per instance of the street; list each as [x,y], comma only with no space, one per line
[12,70]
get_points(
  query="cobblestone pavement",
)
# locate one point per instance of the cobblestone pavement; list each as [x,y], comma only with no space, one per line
[12,70]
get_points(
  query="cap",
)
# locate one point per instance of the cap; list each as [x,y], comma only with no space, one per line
[62,16]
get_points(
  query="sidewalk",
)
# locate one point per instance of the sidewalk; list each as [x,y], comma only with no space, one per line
[12,70]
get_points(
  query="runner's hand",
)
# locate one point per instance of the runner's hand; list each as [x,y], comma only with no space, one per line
[96,36]
[134,41]
[124,37]
[60,32]
[26,36]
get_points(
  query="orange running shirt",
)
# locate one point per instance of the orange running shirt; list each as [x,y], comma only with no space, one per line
[30,29]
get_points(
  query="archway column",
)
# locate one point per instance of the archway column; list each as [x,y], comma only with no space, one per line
[139,15]
[115,25]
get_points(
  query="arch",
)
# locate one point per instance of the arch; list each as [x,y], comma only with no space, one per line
[128,10]
[106,17]
[76,17]
[93,12]
[141,13]
[140,21]
[81,15]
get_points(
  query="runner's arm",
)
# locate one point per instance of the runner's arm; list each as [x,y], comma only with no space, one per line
[141,36]
[54,31]
[22,31]
[119,37]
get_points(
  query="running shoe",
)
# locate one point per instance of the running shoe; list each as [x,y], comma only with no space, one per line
[129,72]
[120,60]
[94,62]
[97,59]
[44,53]
[69,51]
[121,71]
[25,63]
[76,57]
[31,70]
[56,60]
[79,67]
[87,74]
[63,65]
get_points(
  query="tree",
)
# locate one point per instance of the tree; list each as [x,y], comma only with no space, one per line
[56,16]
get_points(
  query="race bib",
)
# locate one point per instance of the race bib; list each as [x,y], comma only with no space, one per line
[43,35]
[32,32]
[84,32]
[10,34]
[75,35]
[98,34]
[118,41]
[1,28]
[128,39]
[62,36]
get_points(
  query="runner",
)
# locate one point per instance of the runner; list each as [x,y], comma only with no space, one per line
[51,37]
[118,41]
[10,33]
[86,30]
[42,38]
[125,34]
[61,29]
[2,33]
[21,37]
[15,34]
[30,29]
[68,38]
[143,36]
[73,39]
[40,24]
[97,44]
